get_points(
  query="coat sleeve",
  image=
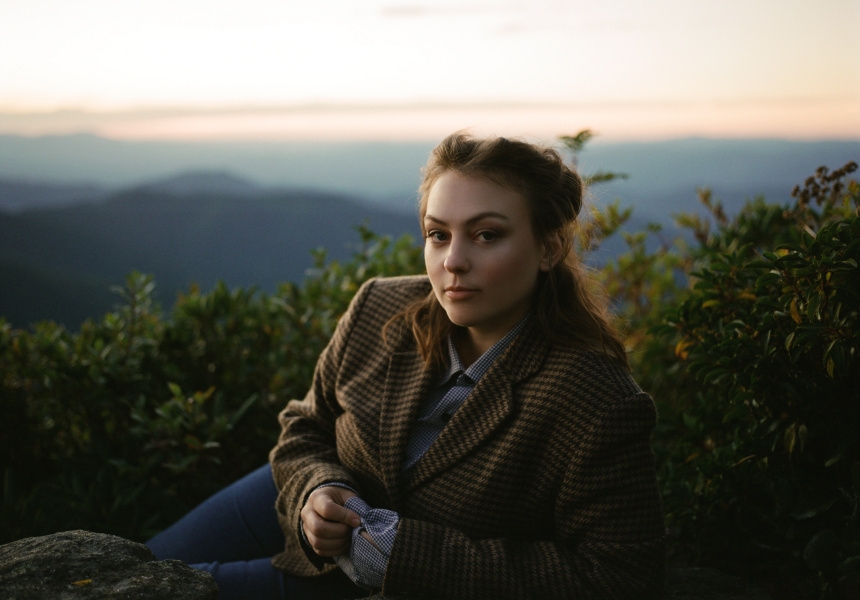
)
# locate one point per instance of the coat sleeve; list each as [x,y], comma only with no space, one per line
[305,456]
[608,541]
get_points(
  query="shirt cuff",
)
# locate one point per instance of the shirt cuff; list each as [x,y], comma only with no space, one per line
[367,561]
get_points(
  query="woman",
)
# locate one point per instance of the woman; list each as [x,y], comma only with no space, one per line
[475,432]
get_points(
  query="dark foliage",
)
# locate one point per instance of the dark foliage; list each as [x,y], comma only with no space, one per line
[758,436]
[125,425]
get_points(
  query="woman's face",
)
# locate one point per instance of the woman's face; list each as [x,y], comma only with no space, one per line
[481,254]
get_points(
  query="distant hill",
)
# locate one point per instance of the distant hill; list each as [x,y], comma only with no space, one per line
[59,263]
[17,195]
[220,183]
[385,173]
[388,174]
[664,176]
[77,213]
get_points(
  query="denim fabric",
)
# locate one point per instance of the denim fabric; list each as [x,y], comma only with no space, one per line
[233,536]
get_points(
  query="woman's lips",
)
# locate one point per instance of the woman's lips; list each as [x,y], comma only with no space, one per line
[459,293]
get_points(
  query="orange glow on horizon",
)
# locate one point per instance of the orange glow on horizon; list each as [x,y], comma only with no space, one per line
[786,120]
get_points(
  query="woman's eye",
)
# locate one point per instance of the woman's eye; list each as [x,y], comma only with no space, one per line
[436,236]
[487,236]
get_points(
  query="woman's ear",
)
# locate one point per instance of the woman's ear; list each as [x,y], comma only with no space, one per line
[552,251]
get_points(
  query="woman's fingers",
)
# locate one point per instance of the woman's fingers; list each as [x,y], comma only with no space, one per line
[327,524]
[328,502]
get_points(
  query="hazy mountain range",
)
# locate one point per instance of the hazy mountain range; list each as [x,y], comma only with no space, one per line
[60,262]
[77,213]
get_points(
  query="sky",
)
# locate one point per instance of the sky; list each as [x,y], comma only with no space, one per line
[417,70]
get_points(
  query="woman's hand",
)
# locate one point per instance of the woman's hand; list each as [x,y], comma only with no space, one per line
[327,524]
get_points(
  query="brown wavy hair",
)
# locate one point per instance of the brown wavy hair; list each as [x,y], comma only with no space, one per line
[568,309]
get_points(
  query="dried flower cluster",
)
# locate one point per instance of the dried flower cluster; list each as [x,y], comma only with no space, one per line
[825,189]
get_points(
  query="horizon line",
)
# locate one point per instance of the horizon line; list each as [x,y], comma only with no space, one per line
[180,109]
[796,118]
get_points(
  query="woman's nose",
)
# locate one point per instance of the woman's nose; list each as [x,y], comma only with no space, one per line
[457,260]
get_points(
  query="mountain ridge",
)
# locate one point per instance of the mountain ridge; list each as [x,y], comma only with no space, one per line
[69,242]
[244,240]
[388,173]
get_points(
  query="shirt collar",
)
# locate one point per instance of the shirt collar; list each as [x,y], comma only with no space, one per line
[477,369]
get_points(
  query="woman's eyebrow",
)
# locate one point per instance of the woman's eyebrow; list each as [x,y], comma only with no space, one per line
[471,220]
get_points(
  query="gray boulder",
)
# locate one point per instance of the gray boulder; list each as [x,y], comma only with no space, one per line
[82,564]
[85,565]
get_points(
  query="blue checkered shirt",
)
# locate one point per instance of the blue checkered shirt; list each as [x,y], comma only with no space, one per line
[366,562]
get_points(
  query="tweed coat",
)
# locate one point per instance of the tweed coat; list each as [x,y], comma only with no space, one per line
[542,484]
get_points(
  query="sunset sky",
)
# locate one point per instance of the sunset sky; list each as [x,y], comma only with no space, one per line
[398,69]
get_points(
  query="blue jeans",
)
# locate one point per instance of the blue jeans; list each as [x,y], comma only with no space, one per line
[233,535]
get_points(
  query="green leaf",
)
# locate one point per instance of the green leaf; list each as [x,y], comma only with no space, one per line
[812,309]
[790,438]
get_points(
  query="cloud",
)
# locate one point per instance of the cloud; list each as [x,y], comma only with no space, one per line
[406,11]
[424,10]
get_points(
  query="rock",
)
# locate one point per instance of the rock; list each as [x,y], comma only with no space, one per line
[85,565]
[82,564]
[709,584]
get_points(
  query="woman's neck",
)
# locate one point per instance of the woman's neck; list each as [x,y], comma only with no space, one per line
[468,347]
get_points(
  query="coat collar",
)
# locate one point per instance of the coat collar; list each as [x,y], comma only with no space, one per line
[483,412]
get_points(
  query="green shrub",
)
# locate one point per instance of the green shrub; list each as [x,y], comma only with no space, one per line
[123,427]
[758,440]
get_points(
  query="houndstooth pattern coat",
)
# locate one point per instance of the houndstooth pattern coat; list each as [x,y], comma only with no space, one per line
[542,485]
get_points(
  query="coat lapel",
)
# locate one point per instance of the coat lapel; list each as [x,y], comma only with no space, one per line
[485,410]
[406,386]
